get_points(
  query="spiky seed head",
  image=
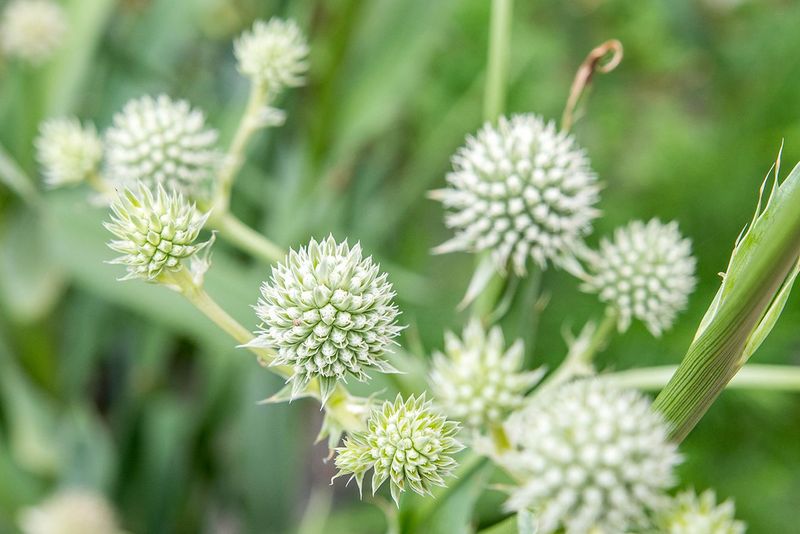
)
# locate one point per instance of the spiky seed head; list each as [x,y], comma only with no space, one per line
[67,152]
[273,53]
[32,30]
[329,313]
[155,231]
[476,380]
[690,513]
[520,189]
[406,442]
[158,140]
[590,456]
[71,511]
[646,272]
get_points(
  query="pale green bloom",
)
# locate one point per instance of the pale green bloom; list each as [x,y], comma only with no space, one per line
[329,313]
[690,513]
[155,232]
[520,190]
[273,53]
[72,511]
[589,456]
[407,443]
[67,152]
[477,381]
[32,30]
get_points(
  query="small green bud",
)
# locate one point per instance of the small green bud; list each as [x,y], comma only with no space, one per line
[690,513]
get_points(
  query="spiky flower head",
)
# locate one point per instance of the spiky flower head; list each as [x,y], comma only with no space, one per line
[32,30]
[520,189]
[71,511]
[273,53]
[477,381]
[155,232]
[158,140]
[329,313]
[67,152]
[590,456]
[690,513]
[406,442]
[646,272]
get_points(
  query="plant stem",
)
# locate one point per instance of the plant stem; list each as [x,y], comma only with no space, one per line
[751,376]
[497,61]
[15,178]
[245,238]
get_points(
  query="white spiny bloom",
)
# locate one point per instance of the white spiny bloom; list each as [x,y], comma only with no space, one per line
[158,140]
[72,511]
[520,189]
[646,272]
[690,513]
[67,152]
[273,53]
[476,380]
[329,313]
[155,232]
[589,456]
[406,442]
[32,30]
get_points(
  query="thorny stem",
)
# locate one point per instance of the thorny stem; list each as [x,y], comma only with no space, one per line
[751,376]
[245,238]
[497,61]
[583,78]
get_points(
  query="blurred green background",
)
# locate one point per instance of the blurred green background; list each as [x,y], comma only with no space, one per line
[125,388]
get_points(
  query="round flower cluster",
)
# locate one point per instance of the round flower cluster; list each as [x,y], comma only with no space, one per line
[73,511]
[476,380]
[329,313]
[690,514]
[162,141]
[32,30]
[273,53]
[67,152]
[646,272]
[406,442]
[520,189]
[590,456]
[155,232]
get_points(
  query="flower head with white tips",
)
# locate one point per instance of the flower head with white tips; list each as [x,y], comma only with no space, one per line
[646,272]
[273,53]
[476,380]
[329,314]
[158,140]
[72,511]
[155,232]
[690,513]
[589,456]
[520,189]
[67,152]
[406,442]
[32,30]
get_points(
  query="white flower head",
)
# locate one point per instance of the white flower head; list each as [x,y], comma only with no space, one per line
[690,513]
[273,53]
[158,140]
[71,511]
[329,313]
[406,442]
[646,272]
[32,30]
[477,381]
[520,189]
[67,152]
[155,232]
[589,456]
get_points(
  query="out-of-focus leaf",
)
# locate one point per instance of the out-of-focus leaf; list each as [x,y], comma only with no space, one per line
[87,450]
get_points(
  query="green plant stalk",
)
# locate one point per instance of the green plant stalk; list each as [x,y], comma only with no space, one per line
[751,376]
[759,267]
[245,238]
[497,62]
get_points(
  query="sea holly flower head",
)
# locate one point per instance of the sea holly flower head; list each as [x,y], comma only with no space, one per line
[155,232]
[589,456]
[645,272]
[520,189]
[329,313]
[32,30]
[406,442]
[72,511]
[477,380]
[273,53]
[67,152]
[690,513]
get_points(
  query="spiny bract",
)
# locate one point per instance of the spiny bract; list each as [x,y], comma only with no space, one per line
[692,514]
[162,141]
[589,456]
[67,152]
[32,30]
[520,189]
[72,511]
[477,380]
[646,272]
[273,53]
[406,442]
[329,313]
[155,232]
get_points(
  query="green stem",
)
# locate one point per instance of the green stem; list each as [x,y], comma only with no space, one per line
[497,61]
[245,238]
[15,178]
[751,376]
